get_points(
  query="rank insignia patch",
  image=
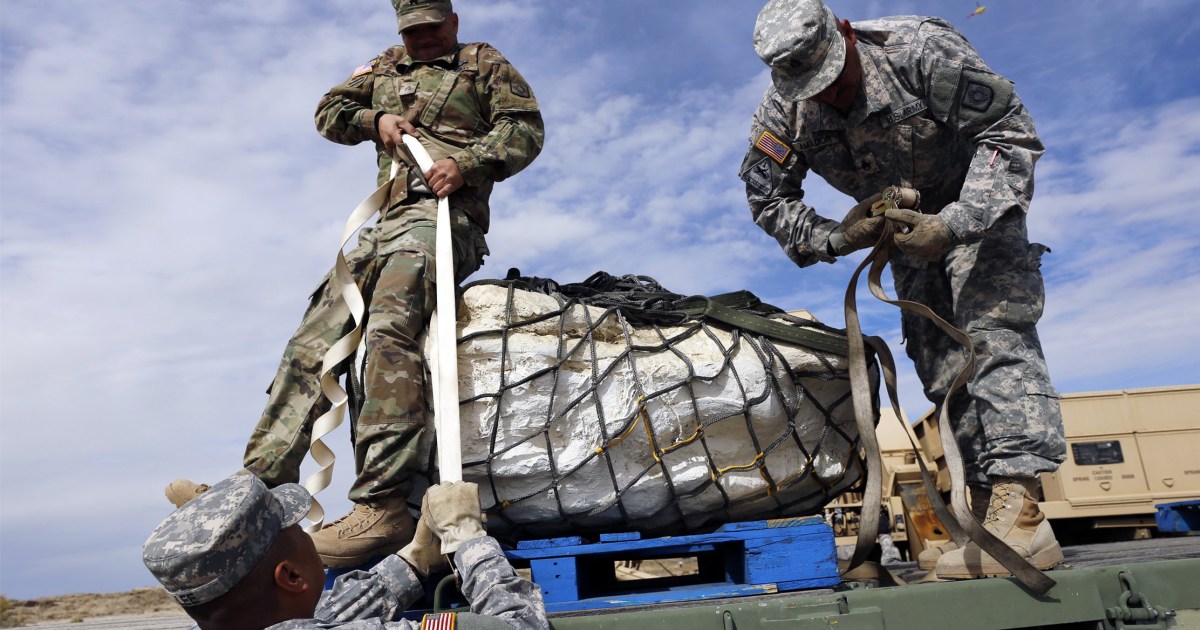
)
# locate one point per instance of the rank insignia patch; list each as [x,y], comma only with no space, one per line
[868,165]
[438,621]
[772,146]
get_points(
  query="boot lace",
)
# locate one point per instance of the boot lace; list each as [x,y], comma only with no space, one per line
[999,503]
[355,519]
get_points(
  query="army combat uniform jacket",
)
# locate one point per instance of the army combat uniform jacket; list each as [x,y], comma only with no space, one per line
[375,599]
[932,116]
[471,106]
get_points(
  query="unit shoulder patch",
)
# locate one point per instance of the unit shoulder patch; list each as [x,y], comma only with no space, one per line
[759,177]
[519,88]
[977,96]
[774,147]
[984,97]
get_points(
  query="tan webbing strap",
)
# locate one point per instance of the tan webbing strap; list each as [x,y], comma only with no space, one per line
[888,366]
[807,337]
[864,416]
[341,350]
[970,529]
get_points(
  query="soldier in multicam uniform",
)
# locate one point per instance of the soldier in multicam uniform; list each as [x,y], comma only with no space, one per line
[907,101]
[479,121]
[235,557]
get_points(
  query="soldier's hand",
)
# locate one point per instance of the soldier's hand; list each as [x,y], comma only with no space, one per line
[424,553]
[927,237]
[391,127]
[859,230]
[444,177]
[451,510]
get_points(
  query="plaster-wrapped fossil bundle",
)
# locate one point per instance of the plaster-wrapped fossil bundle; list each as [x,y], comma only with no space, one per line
[582,413]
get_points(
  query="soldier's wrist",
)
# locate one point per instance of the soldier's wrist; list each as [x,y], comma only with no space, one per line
[368,121]
[472,171]
[837,245]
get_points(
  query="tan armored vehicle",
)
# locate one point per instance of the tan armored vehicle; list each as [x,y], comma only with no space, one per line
[1127,451]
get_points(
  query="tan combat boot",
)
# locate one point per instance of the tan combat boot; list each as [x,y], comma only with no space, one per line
[181,491]
[1013,516]
[978,500]
[370,529]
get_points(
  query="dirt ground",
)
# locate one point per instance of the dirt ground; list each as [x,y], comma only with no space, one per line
[76,608]
[153,602]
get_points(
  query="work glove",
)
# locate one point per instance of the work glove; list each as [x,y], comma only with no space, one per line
[451,510]
[927,237]
[859,230]
[424,553]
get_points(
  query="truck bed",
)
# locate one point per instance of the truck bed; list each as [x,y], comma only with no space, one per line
[1165,571]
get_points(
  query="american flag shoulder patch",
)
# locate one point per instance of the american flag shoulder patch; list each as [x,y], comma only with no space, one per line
[772,146]
[363,69]
[438,621]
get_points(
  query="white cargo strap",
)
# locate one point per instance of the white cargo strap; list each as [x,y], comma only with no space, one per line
[450,454]
[961,525]
[444,329]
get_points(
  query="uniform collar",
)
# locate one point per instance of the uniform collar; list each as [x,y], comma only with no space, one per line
[873,97]
[448,61]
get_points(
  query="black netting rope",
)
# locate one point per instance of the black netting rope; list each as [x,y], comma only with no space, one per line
[641,301]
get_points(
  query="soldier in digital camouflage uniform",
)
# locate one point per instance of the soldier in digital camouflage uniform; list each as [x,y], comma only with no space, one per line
[480,122]
[236,557]
[907,101]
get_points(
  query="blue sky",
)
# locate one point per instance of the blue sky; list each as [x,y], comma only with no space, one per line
[166,207]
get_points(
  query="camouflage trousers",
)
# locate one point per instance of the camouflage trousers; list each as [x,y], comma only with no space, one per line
[1008,422]
[393,265]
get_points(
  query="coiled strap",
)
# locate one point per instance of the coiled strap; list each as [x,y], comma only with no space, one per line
[341,350]
[961,525]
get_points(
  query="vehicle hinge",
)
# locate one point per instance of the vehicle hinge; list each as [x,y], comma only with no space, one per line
[1134,610]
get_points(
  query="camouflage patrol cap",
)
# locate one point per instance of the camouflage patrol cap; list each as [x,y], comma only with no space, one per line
[203,549]
[410,13]
[801,42]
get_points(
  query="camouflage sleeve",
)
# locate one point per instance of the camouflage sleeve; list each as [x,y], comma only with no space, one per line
[344,114]
[382,593]
[495,590]
[985,110]
[774,188]
[517,132]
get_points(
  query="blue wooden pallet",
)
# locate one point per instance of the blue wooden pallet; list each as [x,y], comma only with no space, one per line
[748,558]
[1181,516]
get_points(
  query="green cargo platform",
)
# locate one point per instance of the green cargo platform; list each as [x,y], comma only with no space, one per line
[1140,584]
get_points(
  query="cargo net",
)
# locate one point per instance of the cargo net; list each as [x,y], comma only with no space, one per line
[611,405]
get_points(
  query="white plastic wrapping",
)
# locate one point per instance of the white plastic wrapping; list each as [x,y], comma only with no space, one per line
[747,430]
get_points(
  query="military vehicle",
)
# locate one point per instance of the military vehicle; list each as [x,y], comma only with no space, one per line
[1130,451]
